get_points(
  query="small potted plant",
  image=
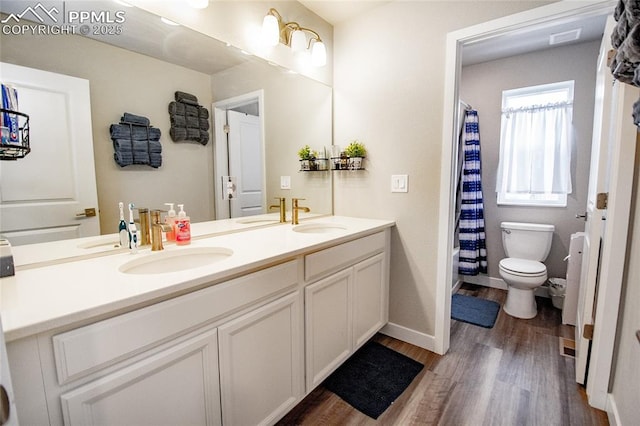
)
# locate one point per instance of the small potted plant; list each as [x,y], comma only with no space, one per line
[356,152]
[307,158]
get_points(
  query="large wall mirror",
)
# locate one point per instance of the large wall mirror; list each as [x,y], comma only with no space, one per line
[140,69]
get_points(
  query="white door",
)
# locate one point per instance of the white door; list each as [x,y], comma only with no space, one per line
[612,163]
[43,196]
[246,163]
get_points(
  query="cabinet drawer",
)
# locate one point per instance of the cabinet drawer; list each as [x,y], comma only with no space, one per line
[325,262]
[87,349]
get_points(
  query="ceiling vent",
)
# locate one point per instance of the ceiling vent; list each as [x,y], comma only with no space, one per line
[565,37]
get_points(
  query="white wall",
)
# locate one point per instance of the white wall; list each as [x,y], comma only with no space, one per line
[627,357]
[481,85]
[388,92]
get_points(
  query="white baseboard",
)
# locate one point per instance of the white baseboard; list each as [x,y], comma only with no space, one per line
[612,412]
[456,287]
[423,340]
[485,281]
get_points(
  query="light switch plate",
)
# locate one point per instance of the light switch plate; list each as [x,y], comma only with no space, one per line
[285,182]
[399,183]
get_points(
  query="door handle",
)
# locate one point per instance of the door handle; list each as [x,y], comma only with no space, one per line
[87,213]
[5,406]
[582,216]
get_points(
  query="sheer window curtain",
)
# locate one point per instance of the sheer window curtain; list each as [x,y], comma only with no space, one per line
[535,150]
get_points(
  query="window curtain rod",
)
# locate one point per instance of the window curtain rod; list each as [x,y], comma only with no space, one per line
[538,107]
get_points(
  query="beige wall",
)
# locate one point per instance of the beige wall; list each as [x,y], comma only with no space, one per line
[297,112]
[388,92]
[627,356]
[482,86]
[121,81]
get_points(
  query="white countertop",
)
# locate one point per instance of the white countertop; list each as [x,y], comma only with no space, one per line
[43,254]
[39,299]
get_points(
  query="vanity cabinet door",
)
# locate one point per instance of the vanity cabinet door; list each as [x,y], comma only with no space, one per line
[177,386]
[370,298]
[261,365]
[328,325]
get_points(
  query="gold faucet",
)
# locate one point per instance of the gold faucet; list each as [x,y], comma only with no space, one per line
[157,228]
[143,221]
[282,207]
[295,209]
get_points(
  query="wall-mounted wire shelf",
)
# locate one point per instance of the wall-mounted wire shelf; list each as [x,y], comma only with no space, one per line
[13,147]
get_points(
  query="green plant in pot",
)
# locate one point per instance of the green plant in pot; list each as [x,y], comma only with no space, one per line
[356,152]
[307,158]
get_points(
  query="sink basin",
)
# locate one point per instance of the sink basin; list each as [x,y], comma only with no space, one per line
[176,260]
[257,220]
[100,244]
[319,228]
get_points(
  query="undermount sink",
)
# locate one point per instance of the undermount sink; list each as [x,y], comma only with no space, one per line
[257,220]
[99,243]
[319,228]
[177,260]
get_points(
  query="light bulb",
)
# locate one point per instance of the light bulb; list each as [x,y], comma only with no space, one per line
[318,54]
[270,30]
[298,41]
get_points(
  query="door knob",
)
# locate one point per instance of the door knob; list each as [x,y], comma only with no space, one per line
[5,406]
[582,216]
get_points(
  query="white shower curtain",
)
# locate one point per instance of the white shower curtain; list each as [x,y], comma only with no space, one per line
[535,150]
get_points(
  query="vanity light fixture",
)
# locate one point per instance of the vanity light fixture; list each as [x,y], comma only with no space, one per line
[198,4]
[275,30]
[169,22]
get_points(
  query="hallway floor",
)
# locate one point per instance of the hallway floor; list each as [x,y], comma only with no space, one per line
[511,374]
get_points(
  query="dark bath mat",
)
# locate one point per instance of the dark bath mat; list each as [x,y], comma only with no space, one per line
[373,378]
[474,310]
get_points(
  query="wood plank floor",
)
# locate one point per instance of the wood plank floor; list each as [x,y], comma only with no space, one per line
[512,374]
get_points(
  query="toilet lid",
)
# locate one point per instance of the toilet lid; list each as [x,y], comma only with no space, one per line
[523,266]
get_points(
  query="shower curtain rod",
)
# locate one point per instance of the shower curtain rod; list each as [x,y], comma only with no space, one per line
[466,105]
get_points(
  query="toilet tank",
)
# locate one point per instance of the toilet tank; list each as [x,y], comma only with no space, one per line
[527,240]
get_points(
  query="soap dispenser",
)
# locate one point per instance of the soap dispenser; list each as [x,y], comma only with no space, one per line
[170,220]
[183,228]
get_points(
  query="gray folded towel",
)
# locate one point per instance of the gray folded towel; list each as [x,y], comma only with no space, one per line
[126,131]
[127,145]
[204,124]
[203,113]
[204,137]
[176,108]
[186,97]
[135,119]
[127,159]
[178,120]
[178,133]
[193,121]
[191,110]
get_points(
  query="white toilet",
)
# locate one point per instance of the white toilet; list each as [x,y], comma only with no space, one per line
[526,246]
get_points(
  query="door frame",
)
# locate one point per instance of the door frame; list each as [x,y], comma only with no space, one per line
[454,43]
[220,152]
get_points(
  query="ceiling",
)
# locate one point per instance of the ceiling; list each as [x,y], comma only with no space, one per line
[513,43]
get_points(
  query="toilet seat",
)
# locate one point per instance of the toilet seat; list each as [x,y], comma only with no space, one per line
[523,267]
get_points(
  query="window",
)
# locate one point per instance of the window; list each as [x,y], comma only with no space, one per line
[535,145]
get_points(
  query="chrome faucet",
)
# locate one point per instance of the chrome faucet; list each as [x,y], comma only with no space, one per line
[296,208]
[282,207]
[157,228]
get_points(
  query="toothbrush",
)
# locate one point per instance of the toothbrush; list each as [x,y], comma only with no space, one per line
[122,228]
[133,231]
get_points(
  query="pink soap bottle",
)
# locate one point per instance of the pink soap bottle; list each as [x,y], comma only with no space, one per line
[183,227]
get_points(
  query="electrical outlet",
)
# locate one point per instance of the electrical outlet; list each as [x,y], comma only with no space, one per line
[399,183]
